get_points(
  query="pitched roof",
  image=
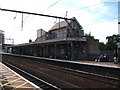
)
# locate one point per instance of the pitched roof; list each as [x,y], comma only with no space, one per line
[62,24]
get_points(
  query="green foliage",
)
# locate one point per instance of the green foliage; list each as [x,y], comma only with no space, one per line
[112,40]
[102,46]
[111,43]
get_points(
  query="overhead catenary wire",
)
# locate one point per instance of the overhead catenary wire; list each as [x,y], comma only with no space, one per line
[81,8]
[105,20]
[51,5]
[56,3]
[87,7]
[101,22]
[9,10]
[23,12]
[41,12]
[66,11]
[46,8]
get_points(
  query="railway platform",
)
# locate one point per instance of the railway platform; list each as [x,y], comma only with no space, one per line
[11,80]
[103,64]
[104,69]
[86,62]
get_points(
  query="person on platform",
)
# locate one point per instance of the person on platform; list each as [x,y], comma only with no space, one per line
[115,57]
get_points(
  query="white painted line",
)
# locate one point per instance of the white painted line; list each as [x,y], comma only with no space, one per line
[22,77]
[35,77]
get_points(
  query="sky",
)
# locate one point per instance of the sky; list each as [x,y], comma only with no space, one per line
[98,17]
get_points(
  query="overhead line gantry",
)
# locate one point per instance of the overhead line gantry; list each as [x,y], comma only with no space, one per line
[23,12]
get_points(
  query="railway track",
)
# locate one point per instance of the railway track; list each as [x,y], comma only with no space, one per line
[41,83]
[64,77]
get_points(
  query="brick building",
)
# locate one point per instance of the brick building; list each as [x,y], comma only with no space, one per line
[65,40]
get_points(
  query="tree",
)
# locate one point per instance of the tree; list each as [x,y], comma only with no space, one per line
[102,46]
[111,43]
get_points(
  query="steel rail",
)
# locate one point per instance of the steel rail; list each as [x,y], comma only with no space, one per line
[87,73]
[75,70]
[46,83]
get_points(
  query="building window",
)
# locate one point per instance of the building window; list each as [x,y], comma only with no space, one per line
[62,51]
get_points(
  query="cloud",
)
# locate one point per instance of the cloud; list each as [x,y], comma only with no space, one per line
[90,14]
[103,29]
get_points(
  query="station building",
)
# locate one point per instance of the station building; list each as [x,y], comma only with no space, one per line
[65,40]
[1,40]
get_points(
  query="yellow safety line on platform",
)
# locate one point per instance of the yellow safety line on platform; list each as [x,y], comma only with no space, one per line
[3,80]
[10,76]
[30,88]
[11,81]
[8,73]
[1,85]
[16,81]
[16,87]
[4,71]
[7,85]
[21,85]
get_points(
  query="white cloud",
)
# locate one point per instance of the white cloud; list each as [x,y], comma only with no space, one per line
[85,16]
[103,29]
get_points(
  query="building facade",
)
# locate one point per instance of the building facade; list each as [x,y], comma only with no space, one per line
[2,37]
[1,40]
[65,40]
